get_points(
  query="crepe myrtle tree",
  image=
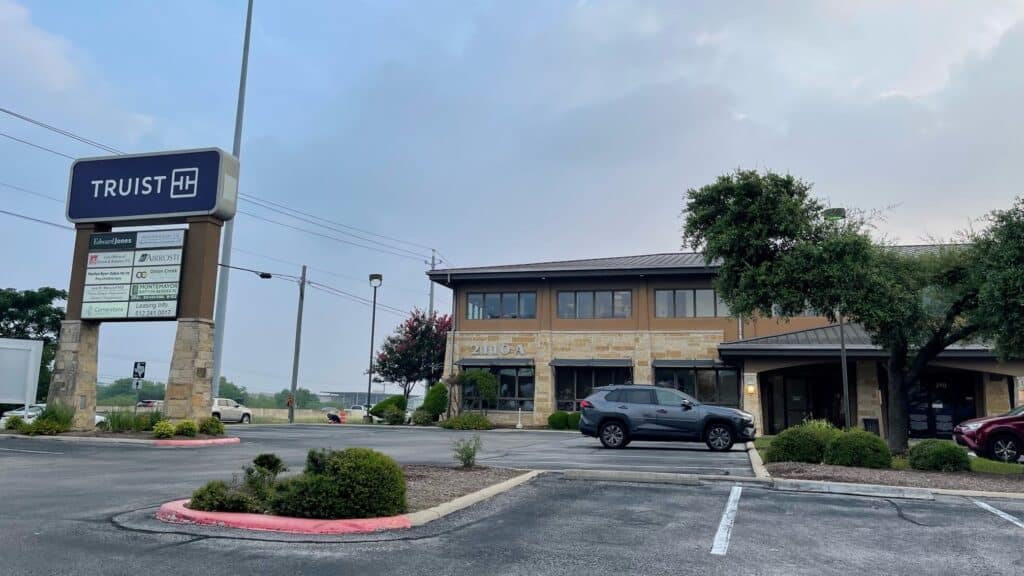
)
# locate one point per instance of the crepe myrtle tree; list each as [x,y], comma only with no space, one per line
[779,254]
[415,352]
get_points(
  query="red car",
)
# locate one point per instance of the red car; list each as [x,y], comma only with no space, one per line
[997,437]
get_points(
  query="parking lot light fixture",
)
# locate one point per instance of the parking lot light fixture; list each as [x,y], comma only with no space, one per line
[375,281]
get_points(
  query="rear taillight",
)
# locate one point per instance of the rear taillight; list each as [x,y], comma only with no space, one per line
[585,404]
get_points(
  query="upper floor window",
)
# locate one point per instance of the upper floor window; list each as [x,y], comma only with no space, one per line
[595,304]
[689,303]
[494,305]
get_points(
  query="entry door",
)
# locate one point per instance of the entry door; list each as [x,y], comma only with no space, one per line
[798,401]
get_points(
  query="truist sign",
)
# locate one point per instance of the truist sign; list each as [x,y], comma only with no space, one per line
[160,187]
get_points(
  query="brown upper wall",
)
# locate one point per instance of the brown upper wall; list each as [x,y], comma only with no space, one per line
[642,317]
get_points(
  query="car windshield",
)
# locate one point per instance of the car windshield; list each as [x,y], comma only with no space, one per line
[1018,411]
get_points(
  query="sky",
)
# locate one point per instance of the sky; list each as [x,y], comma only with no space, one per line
[495,132]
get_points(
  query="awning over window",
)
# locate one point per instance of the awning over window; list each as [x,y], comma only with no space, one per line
[476,362]
[596,362]
[685,364]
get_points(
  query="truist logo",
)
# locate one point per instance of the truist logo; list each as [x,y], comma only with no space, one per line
[184,183]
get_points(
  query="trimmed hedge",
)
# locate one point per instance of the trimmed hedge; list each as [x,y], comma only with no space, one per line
[352,483]
[186,428]
[435,402]
[421,417]
[394,416]
[468,421]
[211,426]
[797,444]
[574,420]
[217,496]
[397,401]
[163,429]
[857,448]
[938,455]
[558,420]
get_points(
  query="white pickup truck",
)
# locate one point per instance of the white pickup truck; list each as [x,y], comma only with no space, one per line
[227,410]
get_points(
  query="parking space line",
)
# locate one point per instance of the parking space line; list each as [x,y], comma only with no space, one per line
[721,543]
[28,451]
[1011,519]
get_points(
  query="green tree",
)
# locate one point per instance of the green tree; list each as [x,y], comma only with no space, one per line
[230,390]
[779,253]
[303,399]
[33,314]
[415,352]
[125,388]
[484,382]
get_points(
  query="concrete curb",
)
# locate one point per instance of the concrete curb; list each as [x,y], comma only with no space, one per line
[977,493]
[755,462]
[441,510]
[176,513]
[630,476]
[136,441]
[875,490]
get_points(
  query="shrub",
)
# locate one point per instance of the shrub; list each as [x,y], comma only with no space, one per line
[938,455]
[823,429]
[40,427]
[142,422]
[217,496]
[163,429]
[797,444]
[559,420]
[14,423]
[269,462]
[54,419]
[466,449]
[485,384]
[394,416]
[154,417]
[422,417]
[574,420]
[857,448]
[120,421]
[435,402]
[186,428]
[397,401]
[468,421]
[353,483]
[211,426]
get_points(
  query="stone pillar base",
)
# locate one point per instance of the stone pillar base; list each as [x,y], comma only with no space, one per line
[189,384]
[74,373]
[752,400]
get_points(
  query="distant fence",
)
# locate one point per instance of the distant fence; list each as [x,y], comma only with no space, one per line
[264,414]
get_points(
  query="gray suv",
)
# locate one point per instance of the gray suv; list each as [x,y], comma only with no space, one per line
[620,414]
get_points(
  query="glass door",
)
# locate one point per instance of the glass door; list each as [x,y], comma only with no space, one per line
[798,401]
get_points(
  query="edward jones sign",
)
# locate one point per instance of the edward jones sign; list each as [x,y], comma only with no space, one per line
[143,188]
[133,275]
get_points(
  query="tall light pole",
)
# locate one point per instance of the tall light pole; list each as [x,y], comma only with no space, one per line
[298,345]
[834,215]
[221,310]
[375,281]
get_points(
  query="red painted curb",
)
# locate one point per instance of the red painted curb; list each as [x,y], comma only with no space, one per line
[176,512]
[206,442]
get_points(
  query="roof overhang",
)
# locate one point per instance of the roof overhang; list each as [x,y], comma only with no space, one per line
[740,350]
[449,278]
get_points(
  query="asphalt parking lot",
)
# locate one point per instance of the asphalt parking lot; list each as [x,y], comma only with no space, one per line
[86,508]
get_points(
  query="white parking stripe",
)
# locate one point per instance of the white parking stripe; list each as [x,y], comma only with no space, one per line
[28,451]
[721,543]
[1000,513]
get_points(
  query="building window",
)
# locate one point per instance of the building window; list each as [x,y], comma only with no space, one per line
[573,384]
[701,303]
[501,305]
[719,386]
[515,390]
[595,304]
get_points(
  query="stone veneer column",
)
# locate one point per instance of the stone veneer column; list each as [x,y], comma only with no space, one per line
[868,397]
[997,400]
[74,374]
[544,380]
[189,384]
[752,400]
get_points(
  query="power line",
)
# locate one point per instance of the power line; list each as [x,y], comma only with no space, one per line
[62,132]
[37,220]
[348,295]
[34,145]
[32,192]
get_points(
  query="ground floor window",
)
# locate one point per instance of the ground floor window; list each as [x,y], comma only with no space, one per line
[515,389]
[720,385]
[574,383]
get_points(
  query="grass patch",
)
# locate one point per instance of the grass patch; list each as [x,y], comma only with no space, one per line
[987,466]
[762,443]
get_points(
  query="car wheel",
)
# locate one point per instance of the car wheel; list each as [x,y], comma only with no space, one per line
[613,434]
[216,415]
[1005,448]
[718,437]
[245,418]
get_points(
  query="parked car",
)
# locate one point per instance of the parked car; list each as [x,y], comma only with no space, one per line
[155,404]
[619,414]
[28,414]
[358,412]
[997,437]
[227,410]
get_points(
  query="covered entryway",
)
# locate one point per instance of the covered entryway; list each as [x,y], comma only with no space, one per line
[793,395]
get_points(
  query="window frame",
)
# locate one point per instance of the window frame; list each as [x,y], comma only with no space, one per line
[690,297]
[696,378]
[475,402]
[515,296]
[617,310]
[575,371]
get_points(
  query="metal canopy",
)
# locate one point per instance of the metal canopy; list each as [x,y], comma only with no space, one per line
[595,362]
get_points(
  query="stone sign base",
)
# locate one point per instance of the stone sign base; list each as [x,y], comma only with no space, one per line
[73,382]
[189,384]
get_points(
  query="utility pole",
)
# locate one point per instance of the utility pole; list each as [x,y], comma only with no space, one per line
[221,310]
[298,345]
[433,264]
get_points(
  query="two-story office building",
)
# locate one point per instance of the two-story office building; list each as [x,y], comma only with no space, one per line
[553,331]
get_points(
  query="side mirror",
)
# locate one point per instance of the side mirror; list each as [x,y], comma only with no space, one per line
[687,404]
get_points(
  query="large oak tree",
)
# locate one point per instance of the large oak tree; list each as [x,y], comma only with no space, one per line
[779,253]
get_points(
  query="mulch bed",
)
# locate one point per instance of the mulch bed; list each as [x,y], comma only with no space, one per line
[908,478]
[132,435]
[428,486]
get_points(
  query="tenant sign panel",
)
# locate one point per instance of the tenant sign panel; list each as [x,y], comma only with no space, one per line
[133,275]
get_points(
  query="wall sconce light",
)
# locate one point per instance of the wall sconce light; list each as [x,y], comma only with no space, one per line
[751,388]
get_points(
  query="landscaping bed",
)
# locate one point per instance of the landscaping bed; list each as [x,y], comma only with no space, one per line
[428,486]
[105,434]
[1011,482]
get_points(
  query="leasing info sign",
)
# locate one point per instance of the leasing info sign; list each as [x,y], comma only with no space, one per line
[133,275]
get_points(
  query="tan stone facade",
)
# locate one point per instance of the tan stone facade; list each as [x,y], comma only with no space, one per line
[189,387]
[642,348]
[74,373]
